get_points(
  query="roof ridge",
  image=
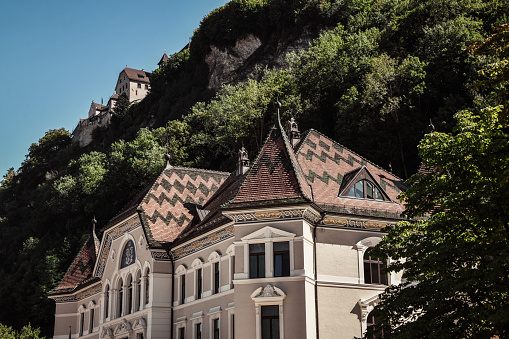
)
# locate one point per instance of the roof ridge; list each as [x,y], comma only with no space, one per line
[290,154]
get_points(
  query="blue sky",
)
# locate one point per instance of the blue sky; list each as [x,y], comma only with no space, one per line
[58,56]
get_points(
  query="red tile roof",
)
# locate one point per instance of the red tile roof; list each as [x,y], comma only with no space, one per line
[81,269]
[275,175]
[167,207]
[325,163]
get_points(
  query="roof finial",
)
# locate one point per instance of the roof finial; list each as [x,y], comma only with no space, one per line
[167,156]
[431,127]
[277,106]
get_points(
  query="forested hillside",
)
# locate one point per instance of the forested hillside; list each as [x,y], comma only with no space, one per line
[374,76]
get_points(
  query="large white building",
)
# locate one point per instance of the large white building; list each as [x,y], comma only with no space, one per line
[280,248]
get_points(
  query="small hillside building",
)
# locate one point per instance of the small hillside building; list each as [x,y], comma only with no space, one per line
[134,83]
[279,248]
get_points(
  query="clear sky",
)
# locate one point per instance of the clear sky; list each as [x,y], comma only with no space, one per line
[57,56]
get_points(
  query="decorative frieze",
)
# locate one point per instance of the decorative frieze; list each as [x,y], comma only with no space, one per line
[304,213]
[95,289]
[204,242]
[160,256]
[354,223]
[111,235]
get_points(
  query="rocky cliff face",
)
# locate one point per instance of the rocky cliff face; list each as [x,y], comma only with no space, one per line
[249,56]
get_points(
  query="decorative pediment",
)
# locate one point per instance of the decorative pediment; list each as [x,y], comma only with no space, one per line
[268,233]
[107,333]
[268,293]
[139,323]
[367,306]
[124,326]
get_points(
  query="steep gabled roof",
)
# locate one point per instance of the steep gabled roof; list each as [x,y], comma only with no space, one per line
[170,204]
[164,58]
[275,176]
[81,269]
[326,164]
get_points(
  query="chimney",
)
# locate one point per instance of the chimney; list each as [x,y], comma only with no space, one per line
[243,162]
[292,131]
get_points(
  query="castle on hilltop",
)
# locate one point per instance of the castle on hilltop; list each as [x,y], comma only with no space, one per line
[134,83]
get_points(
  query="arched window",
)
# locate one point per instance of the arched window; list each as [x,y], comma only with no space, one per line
[106,301]
[128,255]
[365,189]
[137,302]
[129,296]
[372,323]
[373,269]
[147,287]
[120,298]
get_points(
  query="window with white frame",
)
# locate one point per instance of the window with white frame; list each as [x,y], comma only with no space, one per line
[106,302]
[370,268]
[214,322]
[197,325]
[147,286]
[120,298]
[197,265]
[215,259]
[180,327]
[367,316]
[91,316]
[268,252]
[269,312]
[81,324]
[180,284]
[137,302]
[231,261]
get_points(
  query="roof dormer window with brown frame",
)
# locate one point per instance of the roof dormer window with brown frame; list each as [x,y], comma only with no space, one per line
[360,183]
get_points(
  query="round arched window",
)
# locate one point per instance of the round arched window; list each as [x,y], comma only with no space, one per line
[128,254]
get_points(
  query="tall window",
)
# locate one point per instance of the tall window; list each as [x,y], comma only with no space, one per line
[91,322]
[182,333]
[138,293]
[215,327]
[199,281]
[257,261]
[82,322]
[373,269]
[372,322]
[216,277]
[198,331]
[270,322]
[147,287]
[129,296]
[233,326]
[106,301]
[120,299]
[281,259]
[183,289]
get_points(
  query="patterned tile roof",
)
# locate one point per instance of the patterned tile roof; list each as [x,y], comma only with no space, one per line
[325,164]
[169,205]
[81,269]
[275,175]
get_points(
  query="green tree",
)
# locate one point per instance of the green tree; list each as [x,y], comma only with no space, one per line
[454,251]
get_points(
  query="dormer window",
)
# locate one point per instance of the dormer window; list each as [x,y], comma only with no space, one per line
[360,183]
[365,189]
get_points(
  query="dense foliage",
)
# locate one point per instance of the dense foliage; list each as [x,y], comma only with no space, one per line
[455,254]
[375,75]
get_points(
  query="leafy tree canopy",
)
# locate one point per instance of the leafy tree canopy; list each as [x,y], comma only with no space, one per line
[454,253]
